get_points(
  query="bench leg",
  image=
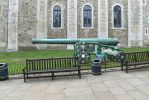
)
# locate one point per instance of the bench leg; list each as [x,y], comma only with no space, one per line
[126,69]
[27,76]
[52,75]
[122,68]
[24,77]
[126,66]
[79,73]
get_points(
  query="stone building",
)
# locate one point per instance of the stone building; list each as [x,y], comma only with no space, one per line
[23,20]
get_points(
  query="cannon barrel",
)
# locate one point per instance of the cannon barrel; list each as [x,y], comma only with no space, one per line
[104,41]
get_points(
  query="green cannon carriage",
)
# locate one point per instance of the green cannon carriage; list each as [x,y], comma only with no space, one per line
[103,46]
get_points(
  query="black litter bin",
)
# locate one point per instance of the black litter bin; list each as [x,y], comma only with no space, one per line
[3,71]
[96,67]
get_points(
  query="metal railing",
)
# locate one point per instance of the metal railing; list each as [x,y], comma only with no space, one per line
[15,68]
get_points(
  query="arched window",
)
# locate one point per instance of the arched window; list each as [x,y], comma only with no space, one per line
[87,16]
[57,16]
[117,16]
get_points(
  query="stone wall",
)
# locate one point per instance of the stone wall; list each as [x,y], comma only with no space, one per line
[13,25]
[27,24]
[3,24]
[135,35]
[57,32]
[120,33]
[23,20]
[146,23]
[102,18]
[87,32]
[41,22]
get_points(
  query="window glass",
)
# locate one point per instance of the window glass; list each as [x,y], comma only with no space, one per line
[57,16]
[117,16]
[87,16]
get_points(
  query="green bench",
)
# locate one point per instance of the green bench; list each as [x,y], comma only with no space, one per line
[134,59]
[52,65]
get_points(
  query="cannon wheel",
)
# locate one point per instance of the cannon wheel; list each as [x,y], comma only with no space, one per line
[84,55]
[81,53]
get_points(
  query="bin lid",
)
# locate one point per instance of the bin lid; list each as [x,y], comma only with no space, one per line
[96,61]
[2,64]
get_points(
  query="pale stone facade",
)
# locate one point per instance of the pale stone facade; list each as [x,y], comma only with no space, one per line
[23,20]
[146,23]
[3,24]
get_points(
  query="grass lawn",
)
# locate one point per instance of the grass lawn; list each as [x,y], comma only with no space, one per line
[134,49]
[16,59]
[22,55]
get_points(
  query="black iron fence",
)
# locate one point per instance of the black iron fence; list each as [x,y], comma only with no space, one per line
[15,68]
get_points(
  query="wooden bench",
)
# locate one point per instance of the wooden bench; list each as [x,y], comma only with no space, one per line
[134,58]
[53,65]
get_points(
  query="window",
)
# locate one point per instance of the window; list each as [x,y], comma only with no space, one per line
[57,16]
[144,2]
[117,16]
[146,31]
[87,16]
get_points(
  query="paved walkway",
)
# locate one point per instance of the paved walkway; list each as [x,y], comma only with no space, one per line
[109,86]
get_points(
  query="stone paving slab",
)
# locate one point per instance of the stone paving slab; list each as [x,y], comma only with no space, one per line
[138,95]
[126,86]
[135,81]
[124,97]
[109,86]
[12,98]
[80,97]
[99,87]
[78,91]
[105,96]
[54,97]
[117,91]
[144,89]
